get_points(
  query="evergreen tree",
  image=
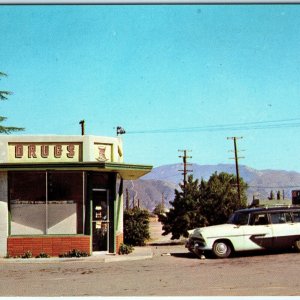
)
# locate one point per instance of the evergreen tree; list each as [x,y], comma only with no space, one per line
[222,197]
[207,203]
[4,96]
[186,212]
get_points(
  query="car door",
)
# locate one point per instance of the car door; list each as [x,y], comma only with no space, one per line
[284,229]
[258,234]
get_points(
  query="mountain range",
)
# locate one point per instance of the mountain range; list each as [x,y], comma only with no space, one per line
[160,184]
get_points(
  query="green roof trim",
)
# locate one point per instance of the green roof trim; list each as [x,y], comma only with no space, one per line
[126,171]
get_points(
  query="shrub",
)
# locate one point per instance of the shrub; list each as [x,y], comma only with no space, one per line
[125,249]
[27,254]
[136,226]
[43,255]
[74,253]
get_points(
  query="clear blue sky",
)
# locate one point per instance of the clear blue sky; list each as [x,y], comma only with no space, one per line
[177,70]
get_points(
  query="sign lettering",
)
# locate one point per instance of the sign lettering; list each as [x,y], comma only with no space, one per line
[44,151]
[71,151]
[18,151]
[57,151]
[35,152]
[31,151]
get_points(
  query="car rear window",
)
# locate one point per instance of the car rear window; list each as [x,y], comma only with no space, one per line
[296,216]
[281,217]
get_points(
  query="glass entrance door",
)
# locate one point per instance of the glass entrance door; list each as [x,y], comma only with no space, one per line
[100,220]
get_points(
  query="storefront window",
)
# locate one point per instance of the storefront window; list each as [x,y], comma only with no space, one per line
[65,205]
[46,202]
[27,194]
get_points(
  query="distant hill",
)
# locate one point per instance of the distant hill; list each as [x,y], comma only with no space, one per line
[163,181]
[150,192]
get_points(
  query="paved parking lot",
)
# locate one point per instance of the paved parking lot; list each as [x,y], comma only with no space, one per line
[170,270]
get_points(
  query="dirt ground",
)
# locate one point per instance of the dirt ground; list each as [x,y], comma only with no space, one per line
[172,271]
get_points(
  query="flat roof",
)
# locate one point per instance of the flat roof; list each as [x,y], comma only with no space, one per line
[126,171]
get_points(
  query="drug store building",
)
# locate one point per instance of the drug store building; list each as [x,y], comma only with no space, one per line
[59,193]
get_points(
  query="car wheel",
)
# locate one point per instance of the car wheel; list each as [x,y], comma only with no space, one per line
[297,245]
[222,249]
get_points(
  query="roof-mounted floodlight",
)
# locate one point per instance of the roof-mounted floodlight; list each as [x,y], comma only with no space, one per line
[120,130]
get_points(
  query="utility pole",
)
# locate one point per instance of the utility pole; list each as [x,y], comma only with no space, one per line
[234,138]
[185,164]
[127,199]
[163,201]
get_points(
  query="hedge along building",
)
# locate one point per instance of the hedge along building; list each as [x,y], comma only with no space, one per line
[59,193]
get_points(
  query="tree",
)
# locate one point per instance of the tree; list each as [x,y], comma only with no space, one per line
[136,226]
[221,197]
[4,96]
[186,212]
[200,204]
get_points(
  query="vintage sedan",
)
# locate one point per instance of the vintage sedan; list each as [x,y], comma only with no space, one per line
[263,228]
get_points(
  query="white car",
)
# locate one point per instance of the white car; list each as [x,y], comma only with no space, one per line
[249,229]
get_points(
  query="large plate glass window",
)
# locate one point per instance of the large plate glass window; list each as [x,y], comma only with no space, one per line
[46,203]
[27,194]
[65,205]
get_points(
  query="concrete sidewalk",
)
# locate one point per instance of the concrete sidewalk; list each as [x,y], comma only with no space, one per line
[138,253]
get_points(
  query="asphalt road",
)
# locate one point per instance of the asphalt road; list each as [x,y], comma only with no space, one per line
[172,271]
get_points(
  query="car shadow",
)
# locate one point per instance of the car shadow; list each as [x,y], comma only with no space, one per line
[208,255]
[262,253]
[188,255]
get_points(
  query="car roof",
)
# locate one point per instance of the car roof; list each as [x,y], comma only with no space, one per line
[270,209]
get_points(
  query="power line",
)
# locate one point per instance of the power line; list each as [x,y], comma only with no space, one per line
[272,124]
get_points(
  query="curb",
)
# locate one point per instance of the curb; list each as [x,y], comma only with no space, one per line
[139,253]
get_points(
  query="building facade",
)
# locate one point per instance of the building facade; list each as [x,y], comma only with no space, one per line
[59,193]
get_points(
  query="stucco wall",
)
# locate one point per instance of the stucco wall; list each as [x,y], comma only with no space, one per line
[3,213]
